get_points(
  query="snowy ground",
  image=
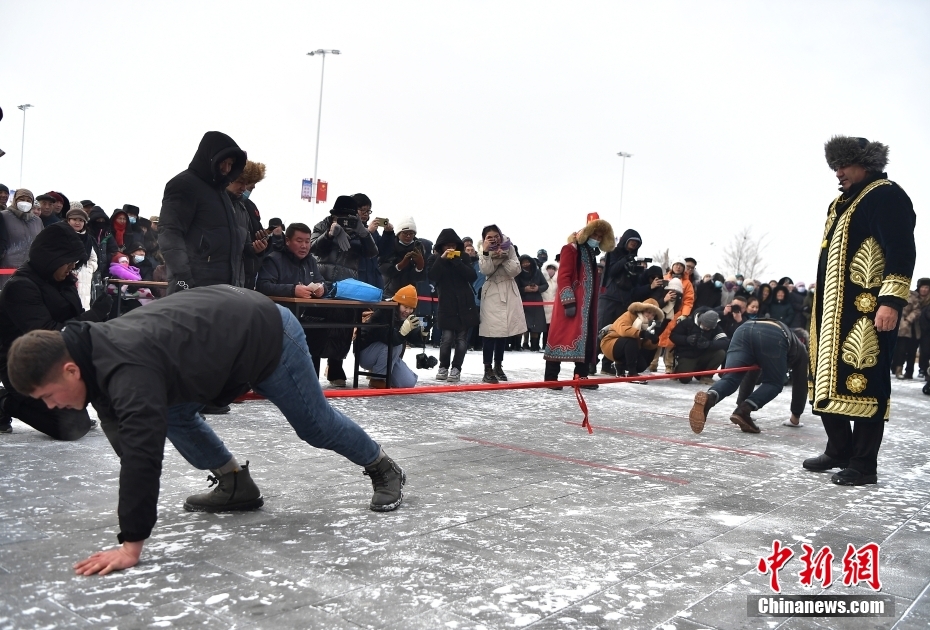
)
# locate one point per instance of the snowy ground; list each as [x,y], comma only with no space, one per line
[514,517]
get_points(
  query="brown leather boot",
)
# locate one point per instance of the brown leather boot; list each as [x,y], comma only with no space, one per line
[703,401]
[742,418]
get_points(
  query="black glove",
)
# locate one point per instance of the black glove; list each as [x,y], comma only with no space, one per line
[102,306]
[570,310]
[698,341]
[630,266]
[648,335]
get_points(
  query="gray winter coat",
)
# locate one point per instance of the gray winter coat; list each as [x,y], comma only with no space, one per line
[22,228]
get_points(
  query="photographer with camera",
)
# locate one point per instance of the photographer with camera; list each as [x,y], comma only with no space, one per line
[405,260]
[700,344]
[631,341]
[623,272]
[339,242]
[377,346]
[733,315]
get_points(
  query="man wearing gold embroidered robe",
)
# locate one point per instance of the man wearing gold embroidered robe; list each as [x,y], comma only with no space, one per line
[863,282]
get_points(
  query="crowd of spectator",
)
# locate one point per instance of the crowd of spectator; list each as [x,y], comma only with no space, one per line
[456,293]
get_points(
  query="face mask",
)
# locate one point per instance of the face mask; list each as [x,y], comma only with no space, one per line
[23,206]
[801,290]
[718,284]
[246,193]
[132,220]
[749,288]
[739,282]
[138,259]
[593,242]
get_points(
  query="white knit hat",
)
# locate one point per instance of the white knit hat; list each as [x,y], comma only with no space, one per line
[675,285]
[407,223]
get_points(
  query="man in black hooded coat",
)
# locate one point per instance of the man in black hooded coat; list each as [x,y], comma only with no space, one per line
[621,275]
[198,234]
[42,295]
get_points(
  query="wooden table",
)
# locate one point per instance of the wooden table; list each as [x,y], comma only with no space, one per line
[147,284]
[297,305]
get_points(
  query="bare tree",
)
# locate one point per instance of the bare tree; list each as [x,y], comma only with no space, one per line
[743,255]
[663,260]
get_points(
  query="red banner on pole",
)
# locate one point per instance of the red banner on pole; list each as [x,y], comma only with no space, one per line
[321,187]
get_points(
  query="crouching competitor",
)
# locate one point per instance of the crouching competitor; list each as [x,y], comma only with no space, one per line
[775,348]
[154,368]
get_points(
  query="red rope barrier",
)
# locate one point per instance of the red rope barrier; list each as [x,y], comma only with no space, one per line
[7,272]
[577,384]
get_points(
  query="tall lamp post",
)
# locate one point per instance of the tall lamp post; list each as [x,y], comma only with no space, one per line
[622,173]
[319,116]
[22,146]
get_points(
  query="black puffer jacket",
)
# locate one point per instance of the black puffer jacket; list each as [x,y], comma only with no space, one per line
[621,275]
[198,234]
[282,271]
[33,300]
[394,279]
[208,346]
[334,263]
[453,280]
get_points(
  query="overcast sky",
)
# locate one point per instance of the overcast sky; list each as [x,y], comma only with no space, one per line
[463,114]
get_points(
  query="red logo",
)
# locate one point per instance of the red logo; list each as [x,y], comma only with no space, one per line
[859,565]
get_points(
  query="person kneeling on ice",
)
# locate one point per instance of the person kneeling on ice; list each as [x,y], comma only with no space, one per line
[376,345]
[775,348]
[203,346]
[631,341]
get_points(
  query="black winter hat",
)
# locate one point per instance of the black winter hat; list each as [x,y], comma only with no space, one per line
[923,282]
[843,151]
[131,209]
[56,245]
[345,205]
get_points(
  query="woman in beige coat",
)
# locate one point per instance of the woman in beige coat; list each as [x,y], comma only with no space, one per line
[501,307]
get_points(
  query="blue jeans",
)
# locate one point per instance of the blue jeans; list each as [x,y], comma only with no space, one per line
[756,343]
[294,389]
[374,359]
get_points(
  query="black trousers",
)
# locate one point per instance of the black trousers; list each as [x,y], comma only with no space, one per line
[905,353]
[554,367]
[924,344]
[859,444]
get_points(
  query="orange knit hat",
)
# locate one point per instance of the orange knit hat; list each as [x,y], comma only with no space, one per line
[407,296]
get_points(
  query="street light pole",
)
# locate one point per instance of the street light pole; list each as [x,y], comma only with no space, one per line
[22,146]
[319,116]
[622,174]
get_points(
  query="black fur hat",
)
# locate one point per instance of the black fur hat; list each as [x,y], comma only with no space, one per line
[844,151]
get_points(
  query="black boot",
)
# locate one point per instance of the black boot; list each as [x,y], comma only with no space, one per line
[703,402]
[499,371]
[823,463]
[234,491]
[489,376]
[742,418]
[213,409]
[387,480]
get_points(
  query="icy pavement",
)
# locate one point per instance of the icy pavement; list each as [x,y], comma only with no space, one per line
[514,517]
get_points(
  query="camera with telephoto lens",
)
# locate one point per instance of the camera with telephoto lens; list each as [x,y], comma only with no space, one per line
[347,223]
[642,262]
[426,362]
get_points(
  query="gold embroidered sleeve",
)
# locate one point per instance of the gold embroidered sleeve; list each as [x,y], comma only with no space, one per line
[896,286]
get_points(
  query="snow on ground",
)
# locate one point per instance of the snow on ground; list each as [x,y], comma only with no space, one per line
[514,516]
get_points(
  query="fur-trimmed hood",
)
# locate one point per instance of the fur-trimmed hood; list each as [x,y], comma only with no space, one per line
[649,305]
[607,243]
[843,151]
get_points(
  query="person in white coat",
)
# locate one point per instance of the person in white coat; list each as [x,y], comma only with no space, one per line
[501,307]
[77,219]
